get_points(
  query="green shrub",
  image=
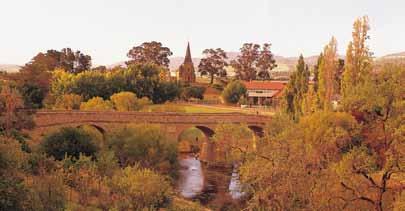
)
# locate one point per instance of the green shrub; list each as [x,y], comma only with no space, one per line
[166,91]
[196,92]
[233,92]
[70,142]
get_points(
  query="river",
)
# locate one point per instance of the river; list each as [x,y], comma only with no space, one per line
[207,185]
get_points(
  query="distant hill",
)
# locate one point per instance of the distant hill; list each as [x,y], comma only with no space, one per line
[283,63]
[10,68]
[400,55]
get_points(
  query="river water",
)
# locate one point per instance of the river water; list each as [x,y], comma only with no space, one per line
[191,181]
[207,185]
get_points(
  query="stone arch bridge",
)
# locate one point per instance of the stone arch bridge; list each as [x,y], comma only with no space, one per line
[173,124]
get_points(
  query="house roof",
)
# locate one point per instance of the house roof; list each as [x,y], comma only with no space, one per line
[265,85]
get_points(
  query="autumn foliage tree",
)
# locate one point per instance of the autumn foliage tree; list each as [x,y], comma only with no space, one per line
[213,64]
[11,116]
[34,77]
[358,58]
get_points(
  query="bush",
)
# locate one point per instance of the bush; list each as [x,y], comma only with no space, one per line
[127,101]
[166,91]
[70,142]
[68,102]
[143,144]
[233,92]
[96,104]
[141,189]
[193,92]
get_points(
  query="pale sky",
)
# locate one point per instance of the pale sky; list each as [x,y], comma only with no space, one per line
[107,29]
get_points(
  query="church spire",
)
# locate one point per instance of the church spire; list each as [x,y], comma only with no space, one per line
[188,58]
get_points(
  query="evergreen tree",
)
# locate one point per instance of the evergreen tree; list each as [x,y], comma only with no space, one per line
[316,72]
[296,89]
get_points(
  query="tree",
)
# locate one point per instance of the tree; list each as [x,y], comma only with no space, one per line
[74,62]
[316,72]
[150,52]
[34,77]
[96,104]
[265,63]
[213,64]
[90,84]
[358,57]
[234,91]
[69,142]
[144,79]
[11,119]
[253,63]
[67,59]
[327,73]
[297,88]
[33,83]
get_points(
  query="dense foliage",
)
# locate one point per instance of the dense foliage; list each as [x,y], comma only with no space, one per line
[213,64]
[141,79]
[233,92]
[254,62]
[196,92]
[146,145]
[70,142]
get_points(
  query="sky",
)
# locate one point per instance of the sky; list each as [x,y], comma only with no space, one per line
[107,29]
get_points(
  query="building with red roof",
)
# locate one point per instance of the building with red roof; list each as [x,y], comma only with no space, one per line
[264,92]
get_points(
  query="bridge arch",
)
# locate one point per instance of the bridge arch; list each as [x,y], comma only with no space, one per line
[257,130]
[98,128]
[202,145]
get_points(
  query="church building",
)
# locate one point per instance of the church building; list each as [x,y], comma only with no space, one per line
[186,70]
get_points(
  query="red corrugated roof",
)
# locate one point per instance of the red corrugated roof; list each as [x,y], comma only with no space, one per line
[265,85]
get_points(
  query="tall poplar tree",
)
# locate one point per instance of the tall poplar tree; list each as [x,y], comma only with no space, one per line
[327,72]
[358,62]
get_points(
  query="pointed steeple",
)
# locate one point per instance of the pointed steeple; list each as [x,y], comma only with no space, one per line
[188,58]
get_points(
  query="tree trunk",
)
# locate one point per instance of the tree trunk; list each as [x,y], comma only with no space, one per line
[212,79]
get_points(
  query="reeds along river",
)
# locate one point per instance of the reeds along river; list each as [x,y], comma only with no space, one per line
[207,185]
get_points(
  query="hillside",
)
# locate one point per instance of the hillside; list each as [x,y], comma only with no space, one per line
[11,68]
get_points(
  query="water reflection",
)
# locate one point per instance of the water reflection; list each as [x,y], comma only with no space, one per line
[235,188]
[191,181]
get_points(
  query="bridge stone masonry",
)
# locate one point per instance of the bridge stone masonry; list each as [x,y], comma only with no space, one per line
[173,124]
